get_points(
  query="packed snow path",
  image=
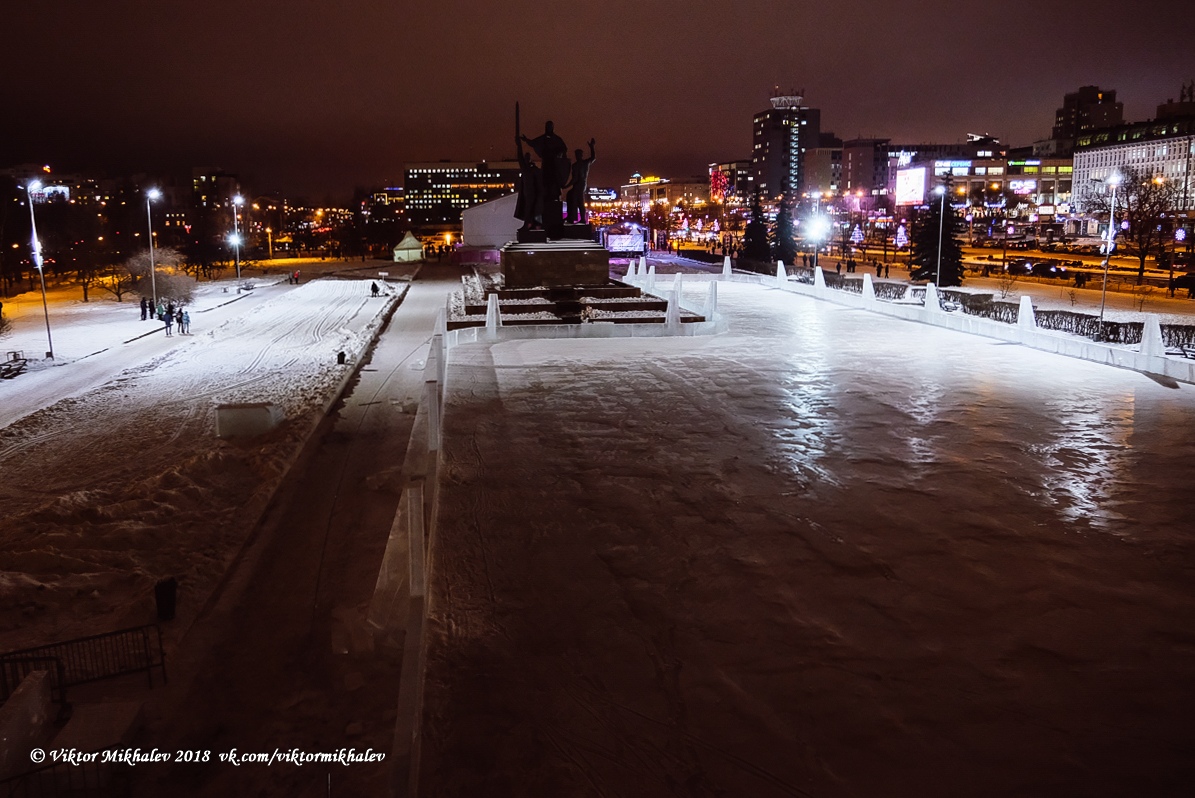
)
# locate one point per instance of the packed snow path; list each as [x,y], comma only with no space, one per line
[828,554]
[107,492]
[285,657]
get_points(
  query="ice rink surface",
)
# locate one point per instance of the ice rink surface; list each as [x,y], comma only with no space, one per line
[827,554]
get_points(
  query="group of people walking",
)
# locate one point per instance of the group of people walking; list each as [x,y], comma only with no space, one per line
[168,315]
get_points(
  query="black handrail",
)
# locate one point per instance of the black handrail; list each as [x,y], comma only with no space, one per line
[103,656]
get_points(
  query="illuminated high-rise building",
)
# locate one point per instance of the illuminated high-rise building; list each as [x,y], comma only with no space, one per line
[781,136]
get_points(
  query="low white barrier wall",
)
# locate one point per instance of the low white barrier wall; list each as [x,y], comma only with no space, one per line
[1177,368]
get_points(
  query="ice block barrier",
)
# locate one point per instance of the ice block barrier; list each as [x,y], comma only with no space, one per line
[1152,342]
[781,274]
[869,289]
[493,315]
[819,277]
[1026,318]
[726,272]
[247,419]
[711,301]
[932,302]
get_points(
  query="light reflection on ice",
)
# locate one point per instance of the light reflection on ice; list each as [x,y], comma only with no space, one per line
[1089,454]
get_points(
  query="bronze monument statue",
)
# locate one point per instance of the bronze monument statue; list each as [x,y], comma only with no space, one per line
[539,206]
[578,186]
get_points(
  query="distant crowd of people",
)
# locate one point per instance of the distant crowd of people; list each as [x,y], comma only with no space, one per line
[168,314]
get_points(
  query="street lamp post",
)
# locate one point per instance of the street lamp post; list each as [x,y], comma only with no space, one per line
[1004,258]
[150,196]
[1114,181]
[237,202]
[818,228]
[37,262]
[940,191]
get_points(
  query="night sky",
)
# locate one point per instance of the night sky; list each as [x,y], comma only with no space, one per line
[317,97]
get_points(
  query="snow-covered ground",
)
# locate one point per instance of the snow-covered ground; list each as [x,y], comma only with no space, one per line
[829,553]
[123,483]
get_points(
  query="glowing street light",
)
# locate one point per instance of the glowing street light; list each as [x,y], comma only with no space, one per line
[1114,181]
[151,196]
[30,187]
[819,228]
[941,192]
[235,238]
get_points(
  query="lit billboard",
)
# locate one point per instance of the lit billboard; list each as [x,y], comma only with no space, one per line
[910,186]
[625,242]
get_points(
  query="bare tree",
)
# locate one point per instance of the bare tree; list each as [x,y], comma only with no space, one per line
[1005,283]
[169,279]
[118,282]
[1143,200]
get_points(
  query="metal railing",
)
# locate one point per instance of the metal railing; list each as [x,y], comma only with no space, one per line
[94,779]
[102,656]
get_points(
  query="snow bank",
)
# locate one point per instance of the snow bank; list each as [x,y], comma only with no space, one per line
[105,493]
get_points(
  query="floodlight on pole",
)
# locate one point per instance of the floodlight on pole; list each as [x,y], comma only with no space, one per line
[237,202]
[30,187]
[1113,180]
[150,196]
[940,191]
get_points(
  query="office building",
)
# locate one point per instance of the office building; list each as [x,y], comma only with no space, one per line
[436,193]
[1162,148]
[781,136]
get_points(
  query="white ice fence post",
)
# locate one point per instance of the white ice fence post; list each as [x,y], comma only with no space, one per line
[869,289]
[781,274]
[431,396]
[932,303]
[726,272]
[711,301]
[1025,317]
[819,277]
[1152,342]
[651,278]
[672,317]
[441,357]
[493,316]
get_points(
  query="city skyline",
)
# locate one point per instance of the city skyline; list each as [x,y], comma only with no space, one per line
[316,104]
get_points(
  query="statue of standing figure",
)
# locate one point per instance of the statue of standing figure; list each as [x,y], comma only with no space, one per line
[578,187]
[539,205]
[530,205]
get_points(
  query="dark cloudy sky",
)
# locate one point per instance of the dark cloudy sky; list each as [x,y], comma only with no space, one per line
[318,97]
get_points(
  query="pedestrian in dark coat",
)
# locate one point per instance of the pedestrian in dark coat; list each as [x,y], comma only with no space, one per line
[144,308]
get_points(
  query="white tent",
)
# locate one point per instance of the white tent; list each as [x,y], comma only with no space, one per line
[490,224]
[407,250]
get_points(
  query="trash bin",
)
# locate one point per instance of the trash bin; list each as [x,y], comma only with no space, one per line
[166,597]
[340,358]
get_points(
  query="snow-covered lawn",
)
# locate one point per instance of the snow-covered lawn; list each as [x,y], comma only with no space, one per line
[104,493]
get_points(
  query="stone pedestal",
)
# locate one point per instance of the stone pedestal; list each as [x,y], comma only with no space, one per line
[555,263]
